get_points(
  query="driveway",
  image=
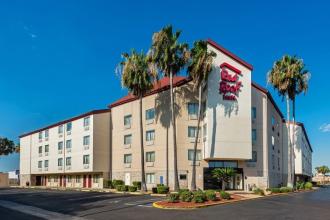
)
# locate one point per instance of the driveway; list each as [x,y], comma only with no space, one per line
[51,204]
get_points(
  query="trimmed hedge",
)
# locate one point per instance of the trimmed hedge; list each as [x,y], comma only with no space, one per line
[274,190]
[132,188]
[163,189]
[173,197]
[122,188]
[199,196]
[186,196]
[115,183]
[107,184]
[137,184]
[211,195]
[308,185]
[224,195]
[259,192]
[286,189]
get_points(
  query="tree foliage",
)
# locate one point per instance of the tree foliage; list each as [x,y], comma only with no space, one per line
[7,146]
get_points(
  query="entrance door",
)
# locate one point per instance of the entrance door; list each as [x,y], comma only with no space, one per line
[61,181]
[84,181]
[64,181]
[38,180]
[127,179]
[89,181]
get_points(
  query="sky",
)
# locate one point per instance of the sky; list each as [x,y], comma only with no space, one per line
[58,58]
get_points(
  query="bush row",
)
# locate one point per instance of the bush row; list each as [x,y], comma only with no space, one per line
[199,196]
[120,185]
[300,185]
[280,190]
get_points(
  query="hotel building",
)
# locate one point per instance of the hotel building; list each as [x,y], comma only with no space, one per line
[242,128]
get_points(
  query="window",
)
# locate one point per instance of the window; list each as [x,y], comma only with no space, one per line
[68,144]
[86,121]
[150,156]
[127,139]
[77,179]
[254,134]
[273,161]
[69,126]
[86,140]
[60,162]
[183,176]
[254,156]
[254,113]
[40,149]
[127,120]
[60,129]
[46,148]
[278,163]
[68,161]
[127,158]
[40,135]
[55,179]
[191,155]
[150,178]
[150,135]
[40,164]
[60,145]
[193,109]
[86,159]
[96,178]
[217,164]
[273,121]
[150,114]
[46,133]
[273,142]
[69,179]
[46,163]
[192,131]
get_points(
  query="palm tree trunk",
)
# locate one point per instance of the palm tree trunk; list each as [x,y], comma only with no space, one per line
[289,141]
[223,186]
[175,156]
[293,137]
[167,162]
[143,177]
[193,175]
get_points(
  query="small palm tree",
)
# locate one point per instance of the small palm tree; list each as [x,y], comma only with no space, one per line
[138,76]
[170,57]
[290,78]
[223,175]
[199,70]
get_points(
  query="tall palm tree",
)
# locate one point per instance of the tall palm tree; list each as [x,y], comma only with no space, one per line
[170,57]
[138,76]
[198,70]
[223,175]
[290,78]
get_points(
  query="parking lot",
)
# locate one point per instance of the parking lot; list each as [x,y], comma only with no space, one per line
[56,204]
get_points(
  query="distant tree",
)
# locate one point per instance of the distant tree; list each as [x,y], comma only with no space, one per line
[323,170]
[223,175]
[199,70]
[7,146]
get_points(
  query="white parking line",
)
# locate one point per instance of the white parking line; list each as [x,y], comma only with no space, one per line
[35,211]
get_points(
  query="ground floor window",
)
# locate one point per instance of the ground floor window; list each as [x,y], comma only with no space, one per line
[215,164]
[150,178]
[55,179]
[96,178]
[183,176]
[77,179]
[69,179]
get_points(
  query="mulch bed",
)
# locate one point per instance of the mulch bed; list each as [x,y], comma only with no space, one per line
[190,205]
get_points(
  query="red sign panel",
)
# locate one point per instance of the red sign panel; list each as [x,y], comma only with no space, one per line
[230,85]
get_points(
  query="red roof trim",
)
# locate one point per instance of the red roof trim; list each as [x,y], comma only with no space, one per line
[230,54]
[230,67]
[130,98]
[66,121]
[269,97]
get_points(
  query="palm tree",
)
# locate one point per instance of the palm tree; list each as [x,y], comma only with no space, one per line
[223,175]
[290,78]
[198,70]
[7,146]
[138,76]
[170,57]
[323,170]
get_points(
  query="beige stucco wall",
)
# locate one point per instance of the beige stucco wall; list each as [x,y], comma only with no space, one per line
[4,180]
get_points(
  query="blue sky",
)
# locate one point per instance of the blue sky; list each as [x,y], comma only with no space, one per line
[57,58]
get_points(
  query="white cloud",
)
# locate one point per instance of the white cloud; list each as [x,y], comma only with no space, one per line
[325,127]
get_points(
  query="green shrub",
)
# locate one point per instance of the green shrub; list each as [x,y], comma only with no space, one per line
[121,188]
[107,184]
[173,197]
[186,196]
[211,195]
[118,187]
[286,189]
[132,188]
[199,196]
[163,189]
[183,190]
[154,190]
[160,184]
[275,190]
[137,184]
[117,182]
[308,185]
[300,185]
[224,195]
[259,192]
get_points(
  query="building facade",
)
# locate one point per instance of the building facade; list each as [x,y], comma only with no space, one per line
[71,153]
[242,127]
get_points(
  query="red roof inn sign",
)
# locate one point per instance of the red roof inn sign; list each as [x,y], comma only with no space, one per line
[229,85]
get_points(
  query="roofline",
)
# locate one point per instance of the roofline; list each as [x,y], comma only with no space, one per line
[66,121]
[179,83]
[305,132]
[269,96]
[230,54]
